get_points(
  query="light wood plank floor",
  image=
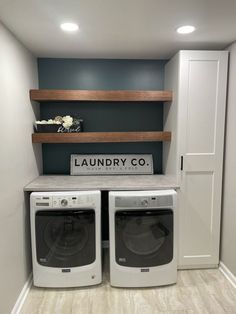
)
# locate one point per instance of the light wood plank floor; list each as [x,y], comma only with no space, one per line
[197,291]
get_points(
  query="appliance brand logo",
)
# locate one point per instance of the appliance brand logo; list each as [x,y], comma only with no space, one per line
[111,164]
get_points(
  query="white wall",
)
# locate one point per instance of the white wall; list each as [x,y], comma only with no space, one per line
[228,248]
[20,163]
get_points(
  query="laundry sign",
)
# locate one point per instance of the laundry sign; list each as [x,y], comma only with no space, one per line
[111,164]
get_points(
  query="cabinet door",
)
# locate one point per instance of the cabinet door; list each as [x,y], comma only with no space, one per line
[202,97]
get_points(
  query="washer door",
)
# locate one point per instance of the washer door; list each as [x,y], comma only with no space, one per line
[144,238]
[65,238]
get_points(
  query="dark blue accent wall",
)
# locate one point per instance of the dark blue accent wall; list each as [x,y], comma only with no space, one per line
[102,116]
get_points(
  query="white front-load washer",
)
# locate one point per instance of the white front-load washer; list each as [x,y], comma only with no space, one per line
[66,238]
[142,238]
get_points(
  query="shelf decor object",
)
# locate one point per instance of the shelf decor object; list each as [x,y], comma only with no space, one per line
[60,124]
[111,164]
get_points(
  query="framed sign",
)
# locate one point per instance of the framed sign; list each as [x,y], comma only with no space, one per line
[111,164]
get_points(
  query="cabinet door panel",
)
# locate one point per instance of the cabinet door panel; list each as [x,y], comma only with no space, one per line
[201,106]
[197,214]
[199,162]
[202,111]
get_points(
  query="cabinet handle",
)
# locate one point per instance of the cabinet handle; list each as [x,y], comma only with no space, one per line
[182,163]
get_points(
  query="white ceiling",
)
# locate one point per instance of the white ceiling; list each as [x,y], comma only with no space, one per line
[119,28]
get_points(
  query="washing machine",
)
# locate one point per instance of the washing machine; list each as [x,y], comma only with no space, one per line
[143,238]
[66,238]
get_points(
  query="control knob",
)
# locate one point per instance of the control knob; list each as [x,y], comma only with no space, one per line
[144,202]
[64,202]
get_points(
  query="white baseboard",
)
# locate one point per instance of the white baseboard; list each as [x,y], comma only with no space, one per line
[22,296]
[203,266]
[228,274]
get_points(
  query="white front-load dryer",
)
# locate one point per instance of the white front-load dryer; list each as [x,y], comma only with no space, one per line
[66,238]
[142,238]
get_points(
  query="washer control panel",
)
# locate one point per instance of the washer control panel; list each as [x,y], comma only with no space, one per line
[143,201]
[62,201]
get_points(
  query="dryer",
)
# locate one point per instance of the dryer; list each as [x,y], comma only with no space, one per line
[66,238]
[143,238]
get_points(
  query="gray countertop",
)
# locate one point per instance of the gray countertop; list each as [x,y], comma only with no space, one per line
[104,183]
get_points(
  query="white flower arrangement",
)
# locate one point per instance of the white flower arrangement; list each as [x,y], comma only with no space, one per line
[50,121]
[66,121]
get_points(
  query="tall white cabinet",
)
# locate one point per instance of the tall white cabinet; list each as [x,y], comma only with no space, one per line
[195,155]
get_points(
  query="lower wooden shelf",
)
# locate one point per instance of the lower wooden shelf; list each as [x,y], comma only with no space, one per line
[101,137]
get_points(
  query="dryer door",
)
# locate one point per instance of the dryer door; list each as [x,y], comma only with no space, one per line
[144,238]
[65,238]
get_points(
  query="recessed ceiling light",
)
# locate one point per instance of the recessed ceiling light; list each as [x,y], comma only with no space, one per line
[186,29]
[69,27]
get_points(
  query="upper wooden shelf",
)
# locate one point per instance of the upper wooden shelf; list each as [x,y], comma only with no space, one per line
[98,95]
[101,137]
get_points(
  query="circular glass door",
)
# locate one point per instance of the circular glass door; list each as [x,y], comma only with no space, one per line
[144,238]
[65,238]
[142,235]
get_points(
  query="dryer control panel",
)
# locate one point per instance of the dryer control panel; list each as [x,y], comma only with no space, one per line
[143,201]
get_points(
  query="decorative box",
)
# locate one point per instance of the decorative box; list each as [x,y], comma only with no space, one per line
[58,128]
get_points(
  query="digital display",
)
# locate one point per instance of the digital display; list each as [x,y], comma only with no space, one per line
[42,204]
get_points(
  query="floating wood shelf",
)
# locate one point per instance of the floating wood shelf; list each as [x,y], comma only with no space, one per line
[98,95]
[101,137]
